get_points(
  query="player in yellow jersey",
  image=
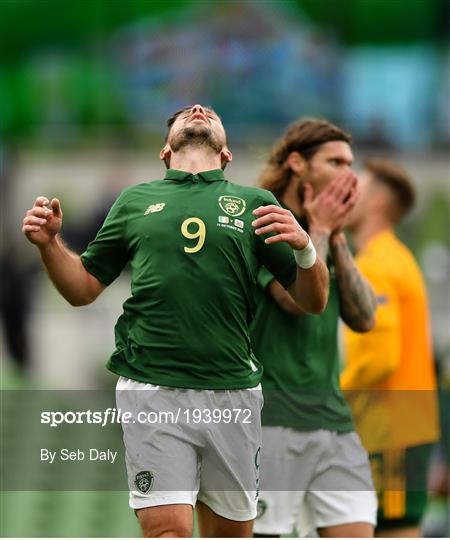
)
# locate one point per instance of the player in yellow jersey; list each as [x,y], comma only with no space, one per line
[390,370]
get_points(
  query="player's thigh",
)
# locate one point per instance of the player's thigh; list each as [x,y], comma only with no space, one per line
[284,473]
[277,512]
[161,456]
[174,520]
[212,525]
[348,530]
[230,462]
[342,492]
[338,514]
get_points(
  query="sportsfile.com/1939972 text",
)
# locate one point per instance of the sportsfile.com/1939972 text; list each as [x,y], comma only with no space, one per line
[112,415]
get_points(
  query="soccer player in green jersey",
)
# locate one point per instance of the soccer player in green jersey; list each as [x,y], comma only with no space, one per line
[195,243]
[314,471]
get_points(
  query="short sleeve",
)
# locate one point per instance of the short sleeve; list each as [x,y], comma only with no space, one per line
[277,258]
[106,256]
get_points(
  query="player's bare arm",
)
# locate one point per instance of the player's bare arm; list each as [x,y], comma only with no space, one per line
[310,289]
[320,239]
[283,298]
[42,225]
[356,296]
[327,214]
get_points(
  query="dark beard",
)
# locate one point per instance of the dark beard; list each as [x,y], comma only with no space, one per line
[195,136]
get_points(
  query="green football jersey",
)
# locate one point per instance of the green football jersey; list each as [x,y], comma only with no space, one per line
[194,260]
[301,363]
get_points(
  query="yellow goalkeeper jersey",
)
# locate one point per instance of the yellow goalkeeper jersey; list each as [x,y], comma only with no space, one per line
[389,372]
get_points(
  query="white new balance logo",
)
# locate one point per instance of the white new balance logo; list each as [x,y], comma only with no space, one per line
[155,208]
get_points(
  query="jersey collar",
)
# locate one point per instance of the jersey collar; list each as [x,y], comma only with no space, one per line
[183,176]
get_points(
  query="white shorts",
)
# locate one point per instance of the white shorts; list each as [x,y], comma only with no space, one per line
[313,479]
[184,445]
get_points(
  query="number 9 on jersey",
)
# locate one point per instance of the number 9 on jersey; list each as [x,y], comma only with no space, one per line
[198,232]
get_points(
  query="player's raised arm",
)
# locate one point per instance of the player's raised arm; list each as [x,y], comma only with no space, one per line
[310,289]
[41,226]
[327,214]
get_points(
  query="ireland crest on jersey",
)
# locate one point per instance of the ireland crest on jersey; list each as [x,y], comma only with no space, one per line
[233,206]
[144,481]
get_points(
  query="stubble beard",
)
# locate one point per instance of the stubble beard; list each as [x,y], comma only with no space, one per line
[196,136]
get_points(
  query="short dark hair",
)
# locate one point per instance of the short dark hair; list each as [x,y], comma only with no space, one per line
[304,136]
[397,179]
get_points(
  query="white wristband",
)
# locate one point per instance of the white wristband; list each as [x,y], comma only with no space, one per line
[307,256]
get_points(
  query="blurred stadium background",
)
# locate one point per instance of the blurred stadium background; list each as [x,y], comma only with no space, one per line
[85,89]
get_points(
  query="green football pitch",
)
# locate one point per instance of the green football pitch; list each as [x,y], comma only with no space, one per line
[67,514]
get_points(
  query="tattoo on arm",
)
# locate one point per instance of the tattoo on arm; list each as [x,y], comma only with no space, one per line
[321,240]
[356,296]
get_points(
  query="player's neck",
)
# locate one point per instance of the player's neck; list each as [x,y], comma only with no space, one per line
[367,230]
[291,199]
[195,159]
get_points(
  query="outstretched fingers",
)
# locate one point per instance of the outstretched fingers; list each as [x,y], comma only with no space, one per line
[271,214]
[274,219]
[263,210]
[274,227]
[283,237]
